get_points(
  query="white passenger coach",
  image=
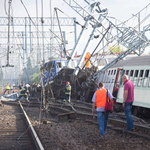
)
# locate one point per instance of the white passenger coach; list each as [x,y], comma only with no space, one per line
[138,71]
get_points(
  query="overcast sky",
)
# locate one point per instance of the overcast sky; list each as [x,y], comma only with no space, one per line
[121,9]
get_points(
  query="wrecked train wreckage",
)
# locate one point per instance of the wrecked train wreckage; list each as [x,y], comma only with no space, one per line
[80,88]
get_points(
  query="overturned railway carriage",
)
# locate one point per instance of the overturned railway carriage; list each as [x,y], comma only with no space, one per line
[138,71]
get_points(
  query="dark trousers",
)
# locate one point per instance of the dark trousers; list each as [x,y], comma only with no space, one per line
[6,90]
[67,97]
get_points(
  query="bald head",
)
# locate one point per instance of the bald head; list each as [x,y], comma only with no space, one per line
[124,78]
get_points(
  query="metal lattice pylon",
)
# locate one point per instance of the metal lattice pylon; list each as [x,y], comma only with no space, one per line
[133,40]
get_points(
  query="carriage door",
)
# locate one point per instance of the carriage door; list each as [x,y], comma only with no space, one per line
[118,81]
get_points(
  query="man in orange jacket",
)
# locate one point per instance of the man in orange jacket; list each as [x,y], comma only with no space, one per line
[99,100]
[87,61]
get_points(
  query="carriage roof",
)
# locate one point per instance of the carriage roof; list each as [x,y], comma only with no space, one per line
[134,61]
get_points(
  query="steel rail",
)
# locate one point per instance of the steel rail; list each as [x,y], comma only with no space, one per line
[34,134]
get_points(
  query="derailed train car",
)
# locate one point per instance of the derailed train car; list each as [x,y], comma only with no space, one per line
[56,74]
[138,71]
[53,67]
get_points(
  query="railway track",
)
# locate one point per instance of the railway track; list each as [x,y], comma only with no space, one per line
[16,131]
[58,107]
[59,113]
[117,121]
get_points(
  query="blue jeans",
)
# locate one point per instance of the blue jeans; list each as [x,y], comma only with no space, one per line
[102,121]
[127,111]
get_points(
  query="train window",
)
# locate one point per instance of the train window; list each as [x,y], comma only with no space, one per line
[127,71]
[119,81]
[109,76]
[114,72]
[140,77]
[119,78]
[145,79]
[146,73]
[111,72]
[135,76]
[58,64]
[131,73]
[136,73]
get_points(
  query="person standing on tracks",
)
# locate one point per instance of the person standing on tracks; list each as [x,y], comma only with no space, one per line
[7,88]
[99,100]
[24,93]
[67,92]
[128,98]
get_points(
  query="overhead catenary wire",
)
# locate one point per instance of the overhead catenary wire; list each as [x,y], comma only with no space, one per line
[34,23]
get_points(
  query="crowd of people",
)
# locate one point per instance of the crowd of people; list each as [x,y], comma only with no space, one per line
[25,90]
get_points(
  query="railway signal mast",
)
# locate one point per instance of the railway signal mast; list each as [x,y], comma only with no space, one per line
[130,38]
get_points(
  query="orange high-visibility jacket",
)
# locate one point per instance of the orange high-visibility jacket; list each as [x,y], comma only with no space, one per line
[87,56]
[101,97]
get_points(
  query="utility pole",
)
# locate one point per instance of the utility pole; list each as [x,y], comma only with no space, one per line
[8,47]
[8,44]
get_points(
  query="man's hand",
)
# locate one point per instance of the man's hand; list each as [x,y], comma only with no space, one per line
[123,105]
[93,108]
[93,111]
